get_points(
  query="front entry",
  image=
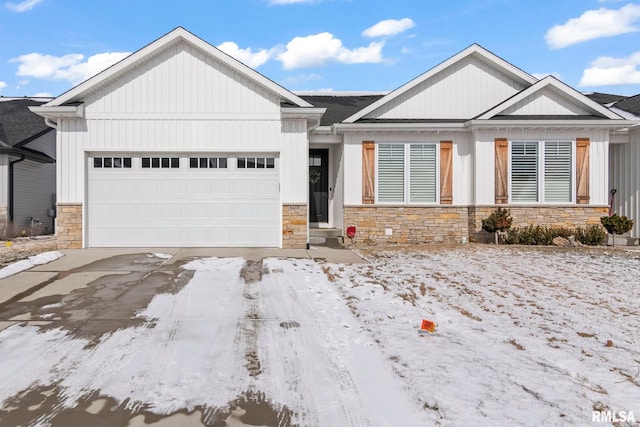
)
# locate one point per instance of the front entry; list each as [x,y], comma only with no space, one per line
[319,185]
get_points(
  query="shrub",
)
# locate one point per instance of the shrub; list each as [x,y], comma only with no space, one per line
[542,235]
[591,235]
[616,224]
[499,220]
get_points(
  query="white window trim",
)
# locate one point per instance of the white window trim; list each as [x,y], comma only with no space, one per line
[406,170]
[540,171]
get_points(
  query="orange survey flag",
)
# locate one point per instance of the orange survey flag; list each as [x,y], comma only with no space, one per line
[428,325]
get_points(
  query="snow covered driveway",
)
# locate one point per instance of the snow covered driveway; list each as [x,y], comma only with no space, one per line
[525,336]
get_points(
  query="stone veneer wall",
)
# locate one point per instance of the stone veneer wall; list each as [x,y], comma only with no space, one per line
[294,226]
[549,216]
[450,224]
[69,225]
[409,224]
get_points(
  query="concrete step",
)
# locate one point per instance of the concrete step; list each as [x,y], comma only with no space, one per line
[325,232]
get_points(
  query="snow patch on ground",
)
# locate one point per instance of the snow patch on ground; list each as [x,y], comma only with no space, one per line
[522,333]
[28,263]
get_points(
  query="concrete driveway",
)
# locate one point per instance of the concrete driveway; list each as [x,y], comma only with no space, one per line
[190,337]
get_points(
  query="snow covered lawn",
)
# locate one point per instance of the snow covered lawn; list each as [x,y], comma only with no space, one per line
[525,336]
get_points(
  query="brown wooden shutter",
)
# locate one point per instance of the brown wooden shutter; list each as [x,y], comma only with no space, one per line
[446,172]
[502,171]
[368,172]
[582,171]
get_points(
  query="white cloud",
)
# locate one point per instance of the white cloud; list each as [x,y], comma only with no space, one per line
[319,49]
[246,56]
[2,85]
[68,67]
[541,76]
[281,2]
[42,95]
[594,24]
[23,6]
[389,27]
[606,70]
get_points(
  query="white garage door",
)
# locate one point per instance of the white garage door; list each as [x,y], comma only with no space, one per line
[202,200]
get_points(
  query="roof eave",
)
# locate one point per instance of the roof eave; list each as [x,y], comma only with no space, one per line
[397,127]
[59,111]
[597,123]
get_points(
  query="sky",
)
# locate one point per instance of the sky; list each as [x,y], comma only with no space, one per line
[49,46]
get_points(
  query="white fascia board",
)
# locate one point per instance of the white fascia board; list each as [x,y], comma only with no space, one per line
[397,127]
[164,41]
[549,124]
[550,81]
[473,49]
[59,111]
[302,113]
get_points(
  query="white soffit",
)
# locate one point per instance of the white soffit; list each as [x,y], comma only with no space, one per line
[558,86]
[474,49]
[76,93]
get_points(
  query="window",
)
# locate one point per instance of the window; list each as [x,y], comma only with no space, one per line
[256,163]
[541,171]
[208,162]
[160,162]
[112,162]
[407,166]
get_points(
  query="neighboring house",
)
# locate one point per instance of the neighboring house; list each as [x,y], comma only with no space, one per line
[182,145]
[27,166]
[624,170]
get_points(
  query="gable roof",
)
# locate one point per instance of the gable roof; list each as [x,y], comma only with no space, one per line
[630,105]
[179,34]
[566,91]
[474,49]
[18,125]
[604,98]
[339,107]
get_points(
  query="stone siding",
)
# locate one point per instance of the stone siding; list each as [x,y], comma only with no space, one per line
[69,225]
[294,226]
[408,224]
[549,216]
[454,224]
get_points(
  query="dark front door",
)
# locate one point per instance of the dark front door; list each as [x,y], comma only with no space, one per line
[318,185]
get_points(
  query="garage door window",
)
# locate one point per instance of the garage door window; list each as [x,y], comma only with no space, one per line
[160,162]
[208,162]
[111,162]
[256,163]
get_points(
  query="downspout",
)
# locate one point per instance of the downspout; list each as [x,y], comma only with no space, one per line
[11,170]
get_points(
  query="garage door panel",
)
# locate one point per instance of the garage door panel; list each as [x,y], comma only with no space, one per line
[183,207]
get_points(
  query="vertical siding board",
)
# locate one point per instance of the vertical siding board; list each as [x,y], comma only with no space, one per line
[446,172]
[501,171]
[582,171]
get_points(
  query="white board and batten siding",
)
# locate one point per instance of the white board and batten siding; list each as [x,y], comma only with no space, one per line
[624,177]
[181,102]
[546,102]
[461,91]
[485,158]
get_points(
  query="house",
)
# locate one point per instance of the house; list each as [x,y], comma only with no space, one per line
[182,145]
[27,167]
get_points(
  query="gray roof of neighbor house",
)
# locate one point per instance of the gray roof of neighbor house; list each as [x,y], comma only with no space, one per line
[19,126]
[604,98]
[339,107]
[630,105]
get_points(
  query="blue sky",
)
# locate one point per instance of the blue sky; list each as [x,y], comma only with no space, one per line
[48,46]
